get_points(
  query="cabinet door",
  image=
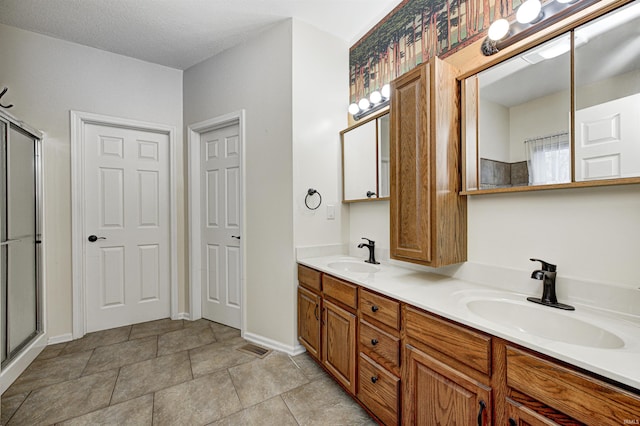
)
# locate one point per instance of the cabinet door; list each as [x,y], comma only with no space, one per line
[410,167]
[436,394]
[519,415]
[309,321]
[339,347]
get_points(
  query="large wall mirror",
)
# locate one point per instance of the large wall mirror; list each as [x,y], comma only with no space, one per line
[524,132]
[365,160]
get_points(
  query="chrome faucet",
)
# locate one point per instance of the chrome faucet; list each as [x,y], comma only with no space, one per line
[548,276]
[372,247]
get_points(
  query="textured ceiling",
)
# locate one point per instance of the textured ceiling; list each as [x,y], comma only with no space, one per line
[181,33]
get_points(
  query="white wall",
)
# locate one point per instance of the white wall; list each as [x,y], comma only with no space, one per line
[320,87]
[48,77]
[256,76]
[493,131]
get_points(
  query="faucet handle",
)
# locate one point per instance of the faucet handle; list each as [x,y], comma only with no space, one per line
[369,241]
[546,266]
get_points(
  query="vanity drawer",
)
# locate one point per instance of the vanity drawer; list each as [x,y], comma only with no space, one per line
[379,390]
[464,345]
[579,396]
[380,345]
[309,278]
[380,308]
[340,291]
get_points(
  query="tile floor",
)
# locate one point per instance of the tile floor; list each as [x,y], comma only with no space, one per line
[174,373]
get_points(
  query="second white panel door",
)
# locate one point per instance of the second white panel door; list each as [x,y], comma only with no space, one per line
[127,229]
[220,186]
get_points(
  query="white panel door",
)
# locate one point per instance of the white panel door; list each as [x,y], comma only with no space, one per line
[126,205]
[220,197]
[608,140]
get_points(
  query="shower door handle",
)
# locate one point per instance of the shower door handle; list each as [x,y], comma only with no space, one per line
[6,243]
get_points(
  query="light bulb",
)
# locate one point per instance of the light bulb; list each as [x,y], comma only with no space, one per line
[386,91]
[498,29]
[375,97]
[354,108]
[528,11]
[364,104]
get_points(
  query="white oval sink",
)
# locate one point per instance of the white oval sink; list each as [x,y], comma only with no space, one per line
[545,322]
[352,266]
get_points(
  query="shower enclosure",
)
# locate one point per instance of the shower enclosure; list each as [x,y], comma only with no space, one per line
[20,238]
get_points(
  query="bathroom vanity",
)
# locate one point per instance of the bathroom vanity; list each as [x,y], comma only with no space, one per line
[418,348]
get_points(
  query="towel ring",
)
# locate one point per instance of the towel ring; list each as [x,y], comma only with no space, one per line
[310,193]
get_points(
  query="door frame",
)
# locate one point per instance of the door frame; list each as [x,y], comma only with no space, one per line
[78,121]
[194,131]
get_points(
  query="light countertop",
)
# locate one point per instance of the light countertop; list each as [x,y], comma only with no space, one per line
[448,297]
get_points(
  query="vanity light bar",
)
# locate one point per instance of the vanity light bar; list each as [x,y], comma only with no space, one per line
[376,101]
[531,17]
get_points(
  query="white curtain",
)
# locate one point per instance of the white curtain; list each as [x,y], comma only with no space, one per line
[549,159]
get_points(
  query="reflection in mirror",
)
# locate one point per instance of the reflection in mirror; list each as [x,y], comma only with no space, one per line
[524,117]
[383,156]
[359,161]
[607,96]
[365,160]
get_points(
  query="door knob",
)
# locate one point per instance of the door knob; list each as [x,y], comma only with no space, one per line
[93,238]
[237,237]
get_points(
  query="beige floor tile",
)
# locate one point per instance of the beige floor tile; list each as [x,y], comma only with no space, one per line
[197,323]
[98,338]
[49,371]
[324,402]
[198,401]
[52,351]
[153,328]
[151,375]
[10,405]
[185,339]
[137,412]
[217,356]
[273,412]
[309,367]
[65,400]
[265,378]
[222,332]
[120,354]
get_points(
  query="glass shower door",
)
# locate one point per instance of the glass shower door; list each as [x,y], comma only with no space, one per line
[19,242]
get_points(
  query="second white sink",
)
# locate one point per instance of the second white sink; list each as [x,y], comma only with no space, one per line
[544,322]
[352,266]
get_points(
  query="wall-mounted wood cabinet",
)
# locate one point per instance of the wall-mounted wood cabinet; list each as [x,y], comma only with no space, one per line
[428,214]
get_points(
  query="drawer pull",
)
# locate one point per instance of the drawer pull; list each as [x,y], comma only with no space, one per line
[482,408]
[374,379]
[374,342]
[374,308]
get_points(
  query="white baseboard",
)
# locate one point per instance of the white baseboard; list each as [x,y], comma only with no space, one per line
[183,316]
[60,339]
[272,344]
[12,371]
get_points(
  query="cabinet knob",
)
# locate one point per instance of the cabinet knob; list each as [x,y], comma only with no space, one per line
[374,379]
[374,308]
[512,422]
[374,342]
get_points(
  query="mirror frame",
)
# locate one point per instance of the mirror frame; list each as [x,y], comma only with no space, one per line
[470,99]
[373,117]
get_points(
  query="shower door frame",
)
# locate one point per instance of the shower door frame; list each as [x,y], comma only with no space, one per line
[26,354]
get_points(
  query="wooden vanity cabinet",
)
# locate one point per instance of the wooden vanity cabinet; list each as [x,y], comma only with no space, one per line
[446,372]
[543,391]
[428,215]
[379,355]
[309,305]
